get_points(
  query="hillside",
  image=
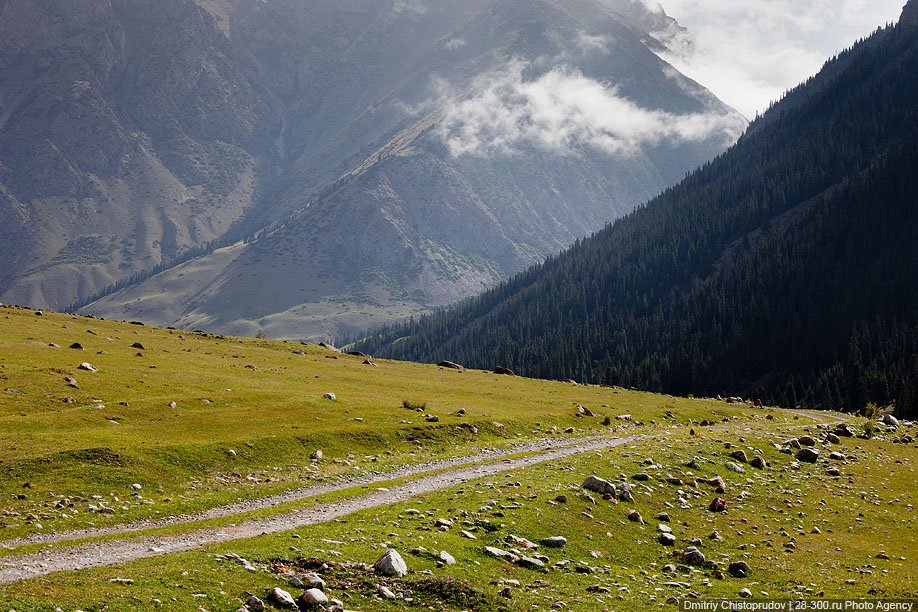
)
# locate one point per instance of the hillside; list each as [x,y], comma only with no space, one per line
[185,471]
[783,270]
[338,150]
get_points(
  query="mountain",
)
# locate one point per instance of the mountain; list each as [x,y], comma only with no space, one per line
[264,166]
[785,270]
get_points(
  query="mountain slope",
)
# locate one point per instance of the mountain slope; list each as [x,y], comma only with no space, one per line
[785,269]
[420,156]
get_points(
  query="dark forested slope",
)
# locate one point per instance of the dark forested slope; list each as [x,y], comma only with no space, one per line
[787,269]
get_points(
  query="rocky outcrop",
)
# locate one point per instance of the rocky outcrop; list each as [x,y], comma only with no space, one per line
[910,15]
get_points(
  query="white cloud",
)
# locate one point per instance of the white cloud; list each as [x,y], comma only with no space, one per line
[749,52]
[563,111]
[409,7]
[455,42]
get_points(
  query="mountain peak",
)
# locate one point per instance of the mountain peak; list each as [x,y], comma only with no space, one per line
[910,14]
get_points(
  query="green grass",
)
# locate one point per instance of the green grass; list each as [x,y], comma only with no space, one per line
[261,399]
[273,416]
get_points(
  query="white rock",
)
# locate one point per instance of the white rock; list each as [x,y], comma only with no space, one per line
[330,396]
[390,564]
[313,597]
[282,598]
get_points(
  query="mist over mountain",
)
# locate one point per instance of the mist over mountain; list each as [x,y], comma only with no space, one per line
[304,168]
[785,270]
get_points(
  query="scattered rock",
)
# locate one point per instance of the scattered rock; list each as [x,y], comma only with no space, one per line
[281,598]
[447,558]
[745,593]
[739,455]
[385,592]
[139,346]
[390,564]
[561,499]
[807,454]
[843,430]
[641,477]
[77,346]
[71,382]
[739,569]
[598,485]
[311,580]
[330,396]
[255,604]
[584,411]
[432,418]
[87,367]
[719,504]
[504,371]
[663,516]
[693,556]
[806,441]
[890,420]
[758,462]
[667,539]
[314,597]
[554,542]
[635,517]
[501,554]
[836,456]
[450,365]
[530,563]
[831,437]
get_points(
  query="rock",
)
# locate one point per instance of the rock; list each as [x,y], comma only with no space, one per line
[719,504]
[693,556]
[561,499]
[313,597]
[311,580]
[890,420]
[501,554]
[432,418]
[739,569]
[385,592]
[138,345]
[255,604]
[808,455]
[806,441]
[758,463]
[718,483]
[641,477]
[554,542]
[443,523]
[736,467]
[504,371]
[739,455]
[450,365]
[635,517]
[664,528]
[317,454]
[836,456]
[530,563]
[87,367]
[843,430]
[663,516]
[136,486]
[77,346]
[506,592]
[447,558]
[461,412]
[833,471]
[281,598]
[667,539]
[390,564]
[71,382]
[598,485]
[330,396]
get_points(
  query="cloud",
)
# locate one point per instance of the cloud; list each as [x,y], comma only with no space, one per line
[563,111]
[454,43]
[408,7]
[749,52]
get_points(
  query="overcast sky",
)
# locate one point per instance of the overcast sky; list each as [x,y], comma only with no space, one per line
[749,52]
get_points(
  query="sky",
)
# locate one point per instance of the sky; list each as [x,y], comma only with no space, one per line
[749,52]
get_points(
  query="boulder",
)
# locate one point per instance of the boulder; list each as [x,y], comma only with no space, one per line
[807,454]
[890,420]
[502,554]
[739,569]
[635,517]
[255,604]
[504,371]
[844,431]
[667,539]
[806,441]
[313,597]
[282,599]
[450,365]
[718,504]
[598,485]
[530,563]
[693,556]
[390,564]
[758,463]
[554,542]
[739,455]
[447,558]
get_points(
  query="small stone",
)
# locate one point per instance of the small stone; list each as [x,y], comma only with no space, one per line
[390,564]
[77,346]
[255,604]
[330,396]
[831,437]
[667,539]
[641,477]
[663,516]
[806,441]
[693,556]
[739,455]
[554,542]
[808,455]
[311,580]
[635,517]
[758,462]
[385,592]
[447,558]
[313,597]
[598,485]
[136,486]
[87,367]
[432,418]
[530,563]
[745,593]
[317,454]
[739,569]
[281,598]
[561,499]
